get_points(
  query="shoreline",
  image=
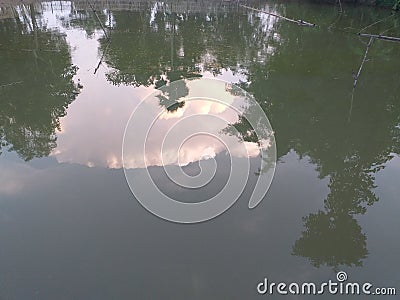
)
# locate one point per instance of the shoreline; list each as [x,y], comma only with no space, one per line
[381,4]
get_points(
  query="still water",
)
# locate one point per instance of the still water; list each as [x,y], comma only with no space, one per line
[70,78]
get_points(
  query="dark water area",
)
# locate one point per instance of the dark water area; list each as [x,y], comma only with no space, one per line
[70,227]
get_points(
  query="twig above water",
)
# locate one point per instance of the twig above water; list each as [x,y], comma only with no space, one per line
[374,23]
[338,17]
[98,19]
[10,84]
[381,37]
[356,76]
[363,61]
[298,22]
[340,6]
[101,58]
[30,50]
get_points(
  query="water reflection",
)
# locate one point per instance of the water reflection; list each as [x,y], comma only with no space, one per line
[300,76]
[189,127]
[172,98]
[149,48]
[311,118]
[37,84]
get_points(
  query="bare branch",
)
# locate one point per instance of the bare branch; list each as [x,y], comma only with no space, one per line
[363,61]
[298,22]
[381,37]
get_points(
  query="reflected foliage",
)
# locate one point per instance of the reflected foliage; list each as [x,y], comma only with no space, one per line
[305,91]
[331,239]
[171,95]
[37,85]
[86,20]
[301,77]
[148,47]
[308,100]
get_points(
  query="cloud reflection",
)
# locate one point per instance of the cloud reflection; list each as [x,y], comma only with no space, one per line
[91,134]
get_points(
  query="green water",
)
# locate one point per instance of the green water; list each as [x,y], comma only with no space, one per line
[70,227]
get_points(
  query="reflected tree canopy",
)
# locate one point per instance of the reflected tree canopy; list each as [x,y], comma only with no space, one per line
[332,240]
[310,113]
[152,46]
[171,98]
[37,84]
[306,96]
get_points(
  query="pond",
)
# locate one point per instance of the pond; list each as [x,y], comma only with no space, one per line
[72,73]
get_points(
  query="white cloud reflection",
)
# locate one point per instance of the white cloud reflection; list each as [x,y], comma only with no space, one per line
[92,131]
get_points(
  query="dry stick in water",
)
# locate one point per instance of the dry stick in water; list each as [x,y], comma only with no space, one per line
[356,76]
[298,22]
[102,57]
[381,37]
[351,104]
[10,84]
[30,50]
[363,61]
[339,15]
[377,22]
[340,5]
[98,19]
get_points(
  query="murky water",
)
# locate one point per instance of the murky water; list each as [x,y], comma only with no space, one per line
[70,226]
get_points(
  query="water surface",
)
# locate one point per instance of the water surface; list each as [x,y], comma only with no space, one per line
[70,227]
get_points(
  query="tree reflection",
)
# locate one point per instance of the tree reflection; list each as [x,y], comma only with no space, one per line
[148,47]
[39,61]
[307,98]
[155,48]
[171,96]
[332,239]
[305,93]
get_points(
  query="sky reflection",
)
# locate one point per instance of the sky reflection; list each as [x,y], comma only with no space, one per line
[92,132]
